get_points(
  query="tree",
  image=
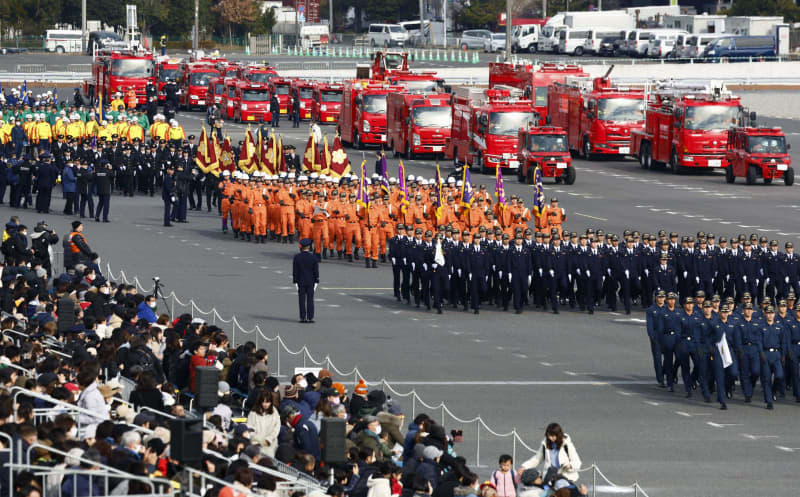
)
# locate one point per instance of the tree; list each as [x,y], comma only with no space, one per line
[481,13]
[237,12]
[264,23]
[785,8]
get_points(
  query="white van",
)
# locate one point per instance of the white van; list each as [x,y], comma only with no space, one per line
[570,41]
[678,46]
[387,35]
[63,40]
[661,43]
[639,40]
[548,41]
[695,44]
[594,39]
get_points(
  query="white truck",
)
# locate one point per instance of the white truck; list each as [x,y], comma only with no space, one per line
[607,19]
[525,38]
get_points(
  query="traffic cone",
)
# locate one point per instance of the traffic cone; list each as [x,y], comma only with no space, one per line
[437,55]
[476,59]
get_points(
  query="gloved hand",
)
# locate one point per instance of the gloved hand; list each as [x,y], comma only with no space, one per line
[647,272]
[697,279]
[434,265]
[296,287]
[494,267]
[509,277]
[744,278]
[315,286]
[413,266]
[394,261]
[459,273]
[470,276]
[786,279]
[727,277]
[569,277]
[552,273]
[424,266]
[588,274]
[404,261]
[500,275]
[529,280]
[540,272]
[578,270]
[766,282]
[685,274]
[627,273]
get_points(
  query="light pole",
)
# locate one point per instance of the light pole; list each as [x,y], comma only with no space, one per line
[196,24]
[84,34]
[508,31]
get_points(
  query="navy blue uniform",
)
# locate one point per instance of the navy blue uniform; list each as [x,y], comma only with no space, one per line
[688,343]
[167,193]
[773,341]
[655,330]
[477,268]
[751,335]
[519,272]
[557,272]
[792,326]
[628,276]
[397,253]
[305,274]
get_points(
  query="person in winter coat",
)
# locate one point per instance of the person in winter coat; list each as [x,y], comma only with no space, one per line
[429,467]
[369,437]
[15,248]
[379,484]
[145,309]
[266,422]
[69,185]
[146,393]
[556,451]
[290,398]
[306,438]
[41,240]
[91,399]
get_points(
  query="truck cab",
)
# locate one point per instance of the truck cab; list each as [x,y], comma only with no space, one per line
[251,103]
[544,147]
[119,71]
[418,124]
[426,82]
[754,153]
[169,69]
[485,128]
[363,118]
[255,73]
[281,88]
[533,80]
[327,102]
[303,91]
[385,63]
[194,83]
[216,92]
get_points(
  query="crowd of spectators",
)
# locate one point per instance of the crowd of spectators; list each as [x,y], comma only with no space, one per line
[78,339]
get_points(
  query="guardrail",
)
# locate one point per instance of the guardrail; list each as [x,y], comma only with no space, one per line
[239,334]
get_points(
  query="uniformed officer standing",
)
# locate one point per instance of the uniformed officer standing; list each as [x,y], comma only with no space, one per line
[655,330]
[305,276]
[397,253]
[46,175]
[476,269]
[168,194]
[772,352]
[102,178]
[519,272]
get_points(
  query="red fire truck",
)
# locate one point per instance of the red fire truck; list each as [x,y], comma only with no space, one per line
[598,116]
[544,147]
[386,63]
[119,71]
[251,102]
[303,90]
[216,92]
[418,124]
[422,82]
[327,102]
[485,128]
[281,87]
[229,98]
[363,118]
[169,69]
[754,153]
[194,83]
[255,73]
[532,80]
[686,127]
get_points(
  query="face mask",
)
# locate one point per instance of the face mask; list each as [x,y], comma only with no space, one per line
[378,430]
[153,305]
[336,401]
[104,291]
[90,277]
[303,384]
[73,432]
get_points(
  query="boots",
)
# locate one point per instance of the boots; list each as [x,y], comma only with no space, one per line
[291,238]
[366,262]
[355,254]
[235,234]
[248,237]
[349,257]
[324,253]
[383,258]
[374,263]
[340,254]
[284,239]
[263,238]
[319,257]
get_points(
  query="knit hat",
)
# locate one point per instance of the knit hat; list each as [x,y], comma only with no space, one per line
[290,391]
[361,388]
[339,388]
[431,452]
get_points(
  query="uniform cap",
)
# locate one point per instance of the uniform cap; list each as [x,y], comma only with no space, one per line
[661,294]
[716,298]
[788,245]
[672,295]
[706,304]
[773,243]
[724,308]
[305,242]
[769,309]
[699,293]
[746,295]
[689,300]
[748,305]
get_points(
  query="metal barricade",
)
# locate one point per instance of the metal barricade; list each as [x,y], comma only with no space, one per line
[31,68]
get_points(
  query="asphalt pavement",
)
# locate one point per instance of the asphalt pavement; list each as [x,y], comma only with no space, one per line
[592,374]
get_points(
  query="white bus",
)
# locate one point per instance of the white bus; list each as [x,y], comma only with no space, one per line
[63,40]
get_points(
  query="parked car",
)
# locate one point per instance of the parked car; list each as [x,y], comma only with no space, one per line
[696,44]
[741,46]
[496,43]
[474,39]
[571,41]
[387,35]
[597,38]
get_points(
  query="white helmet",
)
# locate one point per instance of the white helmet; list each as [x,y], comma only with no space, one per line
[226,173]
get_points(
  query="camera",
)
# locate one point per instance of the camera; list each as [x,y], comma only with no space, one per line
[156,279]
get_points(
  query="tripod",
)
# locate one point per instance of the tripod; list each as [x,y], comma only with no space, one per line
[158,291]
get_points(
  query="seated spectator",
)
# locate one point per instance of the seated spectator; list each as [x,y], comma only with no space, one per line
[265,422]
[556,451]
[147,393]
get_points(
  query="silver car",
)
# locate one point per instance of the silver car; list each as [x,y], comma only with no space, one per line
[496,43]
[474,39]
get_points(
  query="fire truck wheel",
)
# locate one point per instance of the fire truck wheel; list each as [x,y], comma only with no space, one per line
[409,152]
[788,177]
[357,141]
[729,177]
[644,156]
[752,175]
[520,177]
[587,149]
[674,163]
[569,176]
[481,166]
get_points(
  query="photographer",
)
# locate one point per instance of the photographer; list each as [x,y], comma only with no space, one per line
[42,239]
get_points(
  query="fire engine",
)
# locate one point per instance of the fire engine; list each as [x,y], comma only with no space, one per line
[251,102]
[167,69]
[194,83]
[386,63]
[255,73]
[303,90]
[363,117]
[686,126]
[119,71]
[754,152]
[421,82]
[485,127]
[418,124]
[544,147]
[598,116]
[327,102]
[216,91]
[533,80]
[280,87]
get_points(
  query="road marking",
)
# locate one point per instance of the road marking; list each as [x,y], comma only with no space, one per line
[630,320]
[591,217]
[787,449]
[521,356]
[687,415]
[346,288]
[332,305]
[627,394]
[652,403]
[757,437]
[517,383]
[722,425]
[573,373]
